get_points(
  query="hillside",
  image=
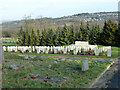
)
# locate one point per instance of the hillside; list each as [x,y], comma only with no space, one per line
[13,27]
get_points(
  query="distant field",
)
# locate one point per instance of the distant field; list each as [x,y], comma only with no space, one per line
[9,44]
[9,41]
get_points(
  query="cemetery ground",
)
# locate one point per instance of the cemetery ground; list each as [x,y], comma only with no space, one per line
[68,72]
[52,72]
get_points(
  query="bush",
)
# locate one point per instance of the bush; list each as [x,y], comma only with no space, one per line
[19,51]
[27,51]
[71,52]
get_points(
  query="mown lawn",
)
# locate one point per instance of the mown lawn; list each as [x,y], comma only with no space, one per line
[9,44]
[75,77]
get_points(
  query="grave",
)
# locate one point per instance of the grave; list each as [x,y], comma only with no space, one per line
[81,43]
[47,79]
[85,65]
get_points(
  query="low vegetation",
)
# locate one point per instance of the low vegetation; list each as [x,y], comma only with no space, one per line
[75,78]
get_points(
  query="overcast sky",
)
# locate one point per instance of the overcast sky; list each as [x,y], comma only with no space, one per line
[17,9]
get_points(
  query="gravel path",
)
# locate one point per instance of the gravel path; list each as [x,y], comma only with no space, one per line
[111,78]
[114,81]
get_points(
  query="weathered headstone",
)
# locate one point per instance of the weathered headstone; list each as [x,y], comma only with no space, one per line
[109,52]
[85,65]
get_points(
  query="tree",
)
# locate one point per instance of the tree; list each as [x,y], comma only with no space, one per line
[64,37]
[117,35]
[38,38]
[72,35]
[33,39]
[82,32]
[94,34]
[44,37]
[98,34]
[57,37]
[27,38]
[87,33]
[49,39]
[109,30]
[21,38]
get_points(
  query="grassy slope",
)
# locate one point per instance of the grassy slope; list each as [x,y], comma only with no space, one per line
[76,78]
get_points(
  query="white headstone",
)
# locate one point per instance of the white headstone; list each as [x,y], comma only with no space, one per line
[109,52]
[85,65]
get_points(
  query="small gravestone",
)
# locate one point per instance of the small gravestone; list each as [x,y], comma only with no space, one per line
[26,57]
[85,65]
[55,62]
[96,51]
[49,66]
[14,66]
[109,52]
[1,54]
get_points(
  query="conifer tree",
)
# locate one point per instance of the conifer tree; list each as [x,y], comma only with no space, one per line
[98,35]
[82,31]
[57,37]
[44,38]
[50,35]
[72,35]
[117,34]
[88,29]
[64,37]
[27,38]
[38,38]
[109,32]
[94,34]
[21,38]
[33,39]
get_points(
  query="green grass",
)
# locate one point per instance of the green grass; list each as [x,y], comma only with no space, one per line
[9,44]
[76,78]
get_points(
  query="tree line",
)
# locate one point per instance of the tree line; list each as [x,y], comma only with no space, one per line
[108,35]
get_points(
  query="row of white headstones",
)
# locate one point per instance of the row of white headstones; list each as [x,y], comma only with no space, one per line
[56,49]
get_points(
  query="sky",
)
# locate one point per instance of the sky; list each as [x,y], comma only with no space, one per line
[18,9]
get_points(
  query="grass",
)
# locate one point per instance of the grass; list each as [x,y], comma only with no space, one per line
[76,78]
[9,44]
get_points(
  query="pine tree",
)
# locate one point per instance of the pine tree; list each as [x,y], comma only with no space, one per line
[57,37]
[50,36]
[21,38]
[109,32]
[117,34]
[27,38]
[98,35]
[38,38]
[33,39]
[44,38]
[88,29]
[82,31]
[72,35]
[94,35]
[64,37]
